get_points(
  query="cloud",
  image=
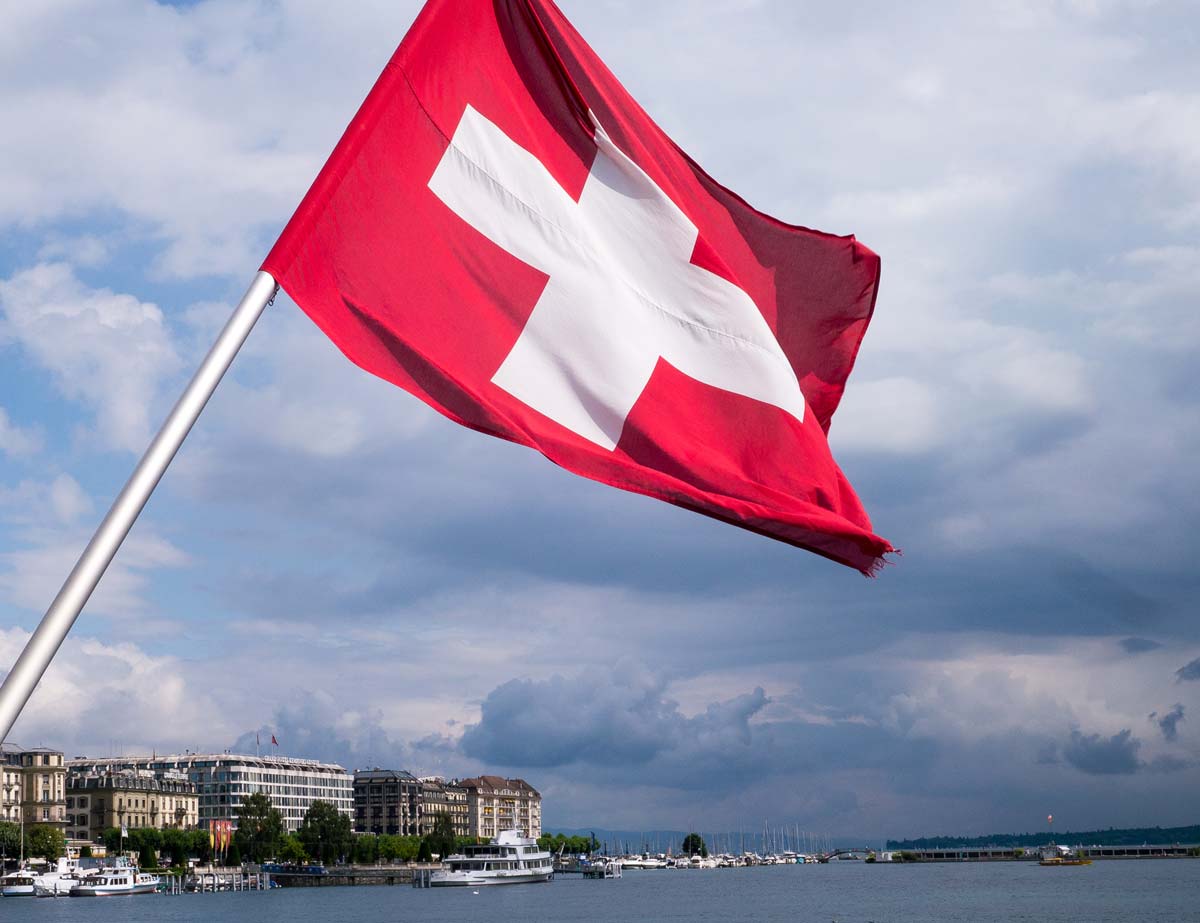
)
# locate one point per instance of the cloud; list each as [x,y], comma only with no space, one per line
[315,725]
[48,531]
[106,350]
[1138,645]
[15,441]
[1168,722]
[1189,672]
[1096,755]
[104,695]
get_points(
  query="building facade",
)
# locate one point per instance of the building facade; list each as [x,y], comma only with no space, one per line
[224,780]
[130,797]
[495,804]
[441,797]
[387,801]
[34,786]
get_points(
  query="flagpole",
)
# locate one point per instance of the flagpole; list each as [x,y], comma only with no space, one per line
[79,585]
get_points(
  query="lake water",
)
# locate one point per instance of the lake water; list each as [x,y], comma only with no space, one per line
[1162,891]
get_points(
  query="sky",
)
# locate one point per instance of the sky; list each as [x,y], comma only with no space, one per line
[330,561]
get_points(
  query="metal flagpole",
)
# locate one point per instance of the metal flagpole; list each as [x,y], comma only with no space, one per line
[49,636]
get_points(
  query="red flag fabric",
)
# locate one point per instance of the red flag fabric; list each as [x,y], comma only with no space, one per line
[503,232]
[274,742]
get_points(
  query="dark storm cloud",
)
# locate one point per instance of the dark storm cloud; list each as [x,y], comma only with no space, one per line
[1168,722]
[314,725]
[614,720]
[1138,645]
[1097,755]
[1189,672]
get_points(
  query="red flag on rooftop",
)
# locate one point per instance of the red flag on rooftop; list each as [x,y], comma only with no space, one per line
[505,233]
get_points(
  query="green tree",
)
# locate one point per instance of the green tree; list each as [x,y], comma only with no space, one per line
[440,841]
[10,839]
[366,849]
[233,855]
[292,850]
[693,844]
[176,844]
[85,851]
[259,828]
[326,833]
[42,840]
[199,845]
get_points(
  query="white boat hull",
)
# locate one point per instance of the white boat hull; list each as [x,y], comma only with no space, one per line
[17,891]
[113,890]
[444,879]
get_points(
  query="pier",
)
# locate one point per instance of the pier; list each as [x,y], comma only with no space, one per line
[353,875]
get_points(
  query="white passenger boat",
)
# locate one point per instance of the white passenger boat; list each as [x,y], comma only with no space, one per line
[509,859]
[18,883]
[121,878]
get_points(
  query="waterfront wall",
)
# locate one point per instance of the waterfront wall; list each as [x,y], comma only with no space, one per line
[352,875]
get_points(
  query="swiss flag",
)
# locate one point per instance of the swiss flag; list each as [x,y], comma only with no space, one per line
[503,232]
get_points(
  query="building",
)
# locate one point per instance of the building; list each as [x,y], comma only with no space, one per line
[10,791]
[97,801]
[495,804]
[386,801]
[440,797]
[34,786]
[224,780]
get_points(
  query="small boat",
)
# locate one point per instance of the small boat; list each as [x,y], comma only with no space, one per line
[120,878]
[18,883]
[601,867]
[509,859]
[1061,856]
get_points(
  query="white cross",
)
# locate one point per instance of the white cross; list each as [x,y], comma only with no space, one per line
[623,291]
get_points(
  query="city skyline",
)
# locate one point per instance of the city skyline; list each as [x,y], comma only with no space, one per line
[329,561]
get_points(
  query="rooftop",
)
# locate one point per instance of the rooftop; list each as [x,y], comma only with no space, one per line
[225,759]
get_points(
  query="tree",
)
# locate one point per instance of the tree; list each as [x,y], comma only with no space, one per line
[10,840]
[42,840]
[259,828]
[291,850]
[326,833]
[200,846]
[440,841]
[366,849]
[176,844]
[233,855]
[693,844]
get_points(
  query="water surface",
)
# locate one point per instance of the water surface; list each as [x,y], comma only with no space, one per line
[1163,891]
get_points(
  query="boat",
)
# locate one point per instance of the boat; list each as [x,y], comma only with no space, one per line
[602,867]
[58,881]
[18,883]
[509,859]
[1061,856]
[123,877]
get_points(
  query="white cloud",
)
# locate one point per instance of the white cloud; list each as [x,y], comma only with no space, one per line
[15,440]
[107,350]
[104,695]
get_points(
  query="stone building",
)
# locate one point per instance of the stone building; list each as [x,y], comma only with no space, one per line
[97,801]
[386,801]
[495,804]
[34,785]
[441,797]
[224,780]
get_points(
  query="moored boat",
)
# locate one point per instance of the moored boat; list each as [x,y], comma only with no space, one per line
[508,860]
[18,883]
[1062,856]
[121,878]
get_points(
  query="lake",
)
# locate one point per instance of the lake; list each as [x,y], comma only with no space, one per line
[1162,891]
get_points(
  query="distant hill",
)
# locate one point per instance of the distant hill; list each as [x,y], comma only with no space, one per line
[1133,836]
